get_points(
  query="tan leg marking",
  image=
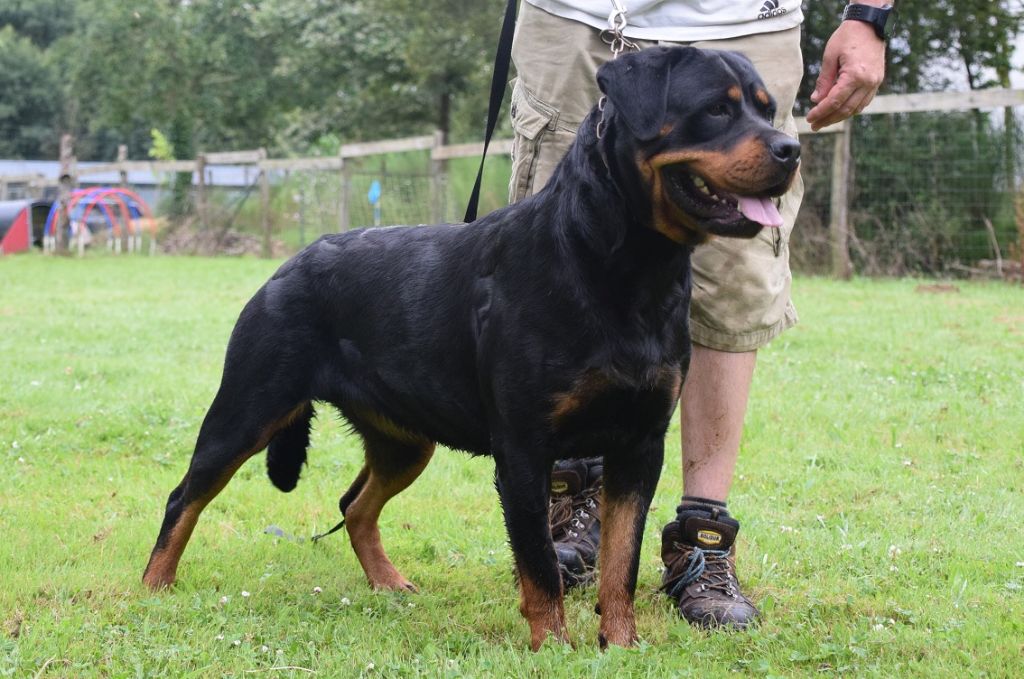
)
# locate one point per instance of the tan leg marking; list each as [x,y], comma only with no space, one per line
[587,387]
[162,568]
[163,565]
[361,523]
[546,615]
[619,543]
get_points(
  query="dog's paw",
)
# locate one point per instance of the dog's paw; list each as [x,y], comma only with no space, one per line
[398,584]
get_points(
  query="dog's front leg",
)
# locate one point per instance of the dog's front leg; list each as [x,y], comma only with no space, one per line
[629,483]
[523,481]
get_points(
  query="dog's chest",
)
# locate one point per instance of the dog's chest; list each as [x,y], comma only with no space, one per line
[600,409]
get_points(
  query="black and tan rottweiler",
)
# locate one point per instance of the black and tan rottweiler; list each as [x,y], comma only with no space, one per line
[553,328]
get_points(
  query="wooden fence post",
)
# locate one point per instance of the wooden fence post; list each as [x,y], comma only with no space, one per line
[126,241]
[265,207]
[122,157]
[438,181]
[201,203]
[839,208]
[345,215]
[67,185]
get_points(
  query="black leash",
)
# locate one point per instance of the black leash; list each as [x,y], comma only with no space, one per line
[498,83]
[338,527]
[502,60]
[333,530]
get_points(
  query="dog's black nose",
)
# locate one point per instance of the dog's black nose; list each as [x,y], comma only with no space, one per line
[786,150]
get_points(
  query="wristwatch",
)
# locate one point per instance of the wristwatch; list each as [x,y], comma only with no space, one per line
[869,14]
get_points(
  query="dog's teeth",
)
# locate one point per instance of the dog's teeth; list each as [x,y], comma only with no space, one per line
[705,189]
[699,182]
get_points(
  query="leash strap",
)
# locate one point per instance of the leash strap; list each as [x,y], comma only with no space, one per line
[321,536]
[341,523]
[498,83]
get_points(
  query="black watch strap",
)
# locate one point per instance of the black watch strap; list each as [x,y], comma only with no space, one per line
[869,14]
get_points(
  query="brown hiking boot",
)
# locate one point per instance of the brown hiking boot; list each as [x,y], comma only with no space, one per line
[574,515]
[700,569]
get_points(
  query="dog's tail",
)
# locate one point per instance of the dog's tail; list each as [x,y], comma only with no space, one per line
[287,450]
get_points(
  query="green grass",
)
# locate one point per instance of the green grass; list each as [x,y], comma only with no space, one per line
[880,488]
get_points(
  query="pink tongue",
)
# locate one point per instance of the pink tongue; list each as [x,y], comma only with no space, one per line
[760,210]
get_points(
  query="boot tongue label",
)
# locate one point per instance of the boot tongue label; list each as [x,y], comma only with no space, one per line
[559,486]
[709,537]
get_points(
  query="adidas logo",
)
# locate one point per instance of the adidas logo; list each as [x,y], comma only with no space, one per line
[770,9]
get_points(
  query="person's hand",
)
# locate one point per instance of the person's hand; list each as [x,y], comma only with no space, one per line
[851,71]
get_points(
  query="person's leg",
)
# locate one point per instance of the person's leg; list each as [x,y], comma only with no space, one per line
[698,545]
[741,301]
[712,408]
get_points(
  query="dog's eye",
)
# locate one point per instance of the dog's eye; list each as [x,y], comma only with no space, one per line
[718,110]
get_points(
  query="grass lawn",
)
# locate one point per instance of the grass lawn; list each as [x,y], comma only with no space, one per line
[880,488]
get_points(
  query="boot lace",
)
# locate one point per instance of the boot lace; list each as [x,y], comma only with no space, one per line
[710,566]
[569,515]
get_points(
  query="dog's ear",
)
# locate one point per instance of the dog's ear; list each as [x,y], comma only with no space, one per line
[636,83]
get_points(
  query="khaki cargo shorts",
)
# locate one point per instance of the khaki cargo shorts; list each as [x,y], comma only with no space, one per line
[741,288]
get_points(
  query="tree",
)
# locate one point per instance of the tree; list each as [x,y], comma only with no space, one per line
[378,68]
[30,107]
[343,73]
[41,21]
[448,47]
[196,70]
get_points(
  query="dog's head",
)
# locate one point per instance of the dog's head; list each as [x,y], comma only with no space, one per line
[697,125]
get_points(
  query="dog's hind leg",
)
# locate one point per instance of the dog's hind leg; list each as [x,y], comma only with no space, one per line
[523,480]
[629,484]
[230,435]
[393,461]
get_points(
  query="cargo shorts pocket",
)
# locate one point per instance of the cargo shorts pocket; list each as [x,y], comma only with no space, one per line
[532,120]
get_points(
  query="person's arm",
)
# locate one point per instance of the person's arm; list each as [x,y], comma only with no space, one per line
[852,68]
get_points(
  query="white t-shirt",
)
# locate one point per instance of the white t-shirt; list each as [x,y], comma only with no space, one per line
[683,20]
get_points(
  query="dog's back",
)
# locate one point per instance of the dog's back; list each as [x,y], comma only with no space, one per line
[373,321]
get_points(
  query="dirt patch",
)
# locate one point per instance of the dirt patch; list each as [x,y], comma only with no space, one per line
[1015,324]
[184,240]
[937,288]
[12,626]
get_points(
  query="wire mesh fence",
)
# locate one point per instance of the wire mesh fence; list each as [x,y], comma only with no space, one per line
[929,193]
[923,191]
